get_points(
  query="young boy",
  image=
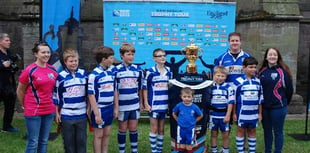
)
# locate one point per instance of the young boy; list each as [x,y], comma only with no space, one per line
[222,102]
[101,97]
[248,110]
[129,89]
[155,95]
[71,104]
[187,114]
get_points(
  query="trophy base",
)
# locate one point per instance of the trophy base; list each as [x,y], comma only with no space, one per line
[191,69]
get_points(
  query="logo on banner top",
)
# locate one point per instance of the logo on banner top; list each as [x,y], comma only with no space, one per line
[121,13]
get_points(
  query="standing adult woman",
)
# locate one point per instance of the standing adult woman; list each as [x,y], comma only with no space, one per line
[34,92]
[276,80]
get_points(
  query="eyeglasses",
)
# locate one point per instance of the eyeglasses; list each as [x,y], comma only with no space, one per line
[160,56]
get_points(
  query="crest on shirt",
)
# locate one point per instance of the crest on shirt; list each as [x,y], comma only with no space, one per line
[274,76]
[51,76]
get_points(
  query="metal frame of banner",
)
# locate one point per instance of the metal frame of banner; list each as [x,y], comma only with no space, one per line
[40,20]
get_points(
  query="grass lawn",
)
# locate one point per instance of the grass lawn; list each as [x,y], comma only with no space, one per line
[14,142]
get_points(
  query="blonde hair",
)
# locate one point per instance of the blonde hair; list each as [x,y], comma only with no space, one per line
[126,48]
[69,52]
[220,69]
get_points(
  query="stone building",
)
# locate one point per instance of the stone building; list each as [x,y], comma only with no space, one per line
[283,24]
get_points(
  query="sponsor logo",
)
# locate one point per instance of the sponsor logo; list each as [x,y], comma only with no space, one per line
[121,13]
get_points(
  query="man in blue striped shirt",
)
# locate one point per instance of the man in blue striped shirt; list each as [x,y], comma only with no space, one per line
[129,88]
[232,59]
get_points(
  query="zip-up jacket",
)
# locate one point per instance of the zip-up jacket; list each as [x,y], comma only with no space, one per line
[277,87]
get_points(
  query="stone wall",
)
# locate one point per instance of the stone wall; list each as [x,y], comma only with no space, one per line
[257,36]
[303,51]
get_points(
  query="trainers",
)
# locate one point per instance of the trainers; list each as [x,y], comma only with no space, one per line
[10,129]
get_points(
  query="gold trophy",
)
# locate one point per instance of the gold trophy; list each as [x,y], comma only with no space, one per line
[192,52]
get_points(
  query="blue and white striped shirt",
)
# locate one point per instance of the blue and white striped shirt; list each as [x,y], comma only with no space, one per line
[233,65]
[128,83]
[222,96]
[157,87]
[71,94]
[249,95]
[102,84]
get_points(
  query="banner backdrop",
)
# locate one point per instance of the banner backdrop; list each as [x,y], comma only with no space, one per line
[168,25]
[60,26]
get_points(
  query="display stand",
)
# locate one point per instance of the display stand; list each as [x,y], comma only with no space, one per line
[200,84]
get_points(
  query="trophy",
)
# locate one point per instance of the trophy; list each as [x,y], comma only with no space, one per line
[192,52]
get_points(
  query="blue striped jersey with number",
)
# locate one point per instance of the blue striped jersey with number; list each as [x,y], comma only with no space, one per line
[128,83]
[71,93]
[156,85]
[249,95]
[101,83]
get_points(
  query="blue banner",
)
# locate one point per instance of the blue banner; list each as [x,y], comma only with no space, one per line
[170,26]
[60,18]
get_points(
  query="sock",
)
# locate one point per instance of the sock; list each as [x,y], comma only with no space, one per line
[225,150]
[214,149]
[133,135]
[152,137]
[252,145]
[240,143]
[121,138]
[160,141]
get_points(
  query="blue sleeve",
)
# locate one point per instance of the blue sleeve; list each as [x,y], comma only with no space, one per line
[140,79]
[176,109]
[289,87]
[147,81]
[58,98]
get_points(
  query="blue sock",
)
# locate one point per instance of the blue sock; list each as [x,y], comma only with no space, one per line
[252,145]
[121,138]
[225,150]
[214,149]
[133,135]
[160,141]
[152,137]
[240,143]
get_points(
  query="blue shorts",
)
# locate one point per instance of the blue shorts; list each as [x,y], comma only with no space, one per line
[106,116]
[158,115]
[248,124]
[216,123]
[128,115]
[185,135]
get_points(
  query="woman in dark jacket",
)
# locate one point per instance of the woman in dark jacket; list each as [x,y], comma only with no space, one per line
[276,80]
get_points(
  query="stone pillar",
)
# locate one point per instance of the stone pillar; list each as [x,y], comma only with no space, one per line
[272,23]
[30,14]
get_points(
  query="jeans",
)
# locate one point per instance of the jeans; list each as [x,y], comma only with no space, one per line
[74,135]
[8,97]
[38,130]
[273,122]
